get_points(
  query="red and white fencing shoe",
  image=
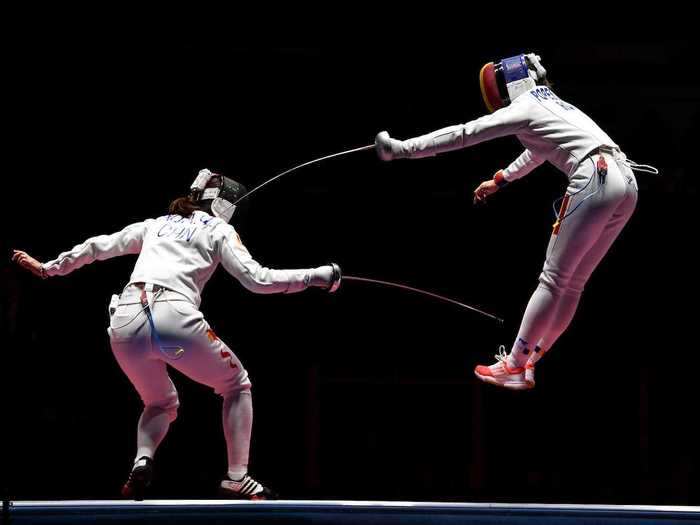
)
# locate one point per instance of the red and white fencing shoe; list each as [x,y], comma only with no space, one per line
[500,374]
[245,488]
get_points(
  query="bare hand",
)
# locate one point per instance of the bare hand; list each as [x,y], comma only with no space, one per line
[27,262]
[485,189]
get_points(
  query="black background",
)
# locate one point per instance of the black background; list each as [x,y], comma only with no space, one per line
[368,393]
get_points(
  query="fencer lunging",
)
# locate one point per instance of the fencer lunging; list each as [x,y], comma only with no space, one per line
[600,198]
[156,320]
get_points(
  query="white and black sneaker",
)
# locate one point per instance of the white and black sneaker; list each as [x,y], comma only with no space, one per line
[245,488]
[139,479]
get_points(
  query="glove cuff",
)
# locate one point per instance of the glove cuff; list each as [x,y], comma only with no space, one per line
[336,278]
[388,148]
[500,179]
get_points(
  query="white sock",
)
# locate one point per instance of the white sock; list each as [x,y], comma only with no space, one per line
[541,310]
[237,416]
[237,474]
[141,462]
[537,352]
[152,428]
[519,354]
[566,309]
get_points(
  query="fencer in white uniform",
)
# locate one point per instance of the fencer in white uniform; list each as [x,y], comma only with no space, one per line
[156,321]
[600,198]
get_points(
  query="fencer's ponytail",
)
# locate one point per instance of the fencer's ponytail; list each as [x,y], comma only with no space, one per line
[183,206]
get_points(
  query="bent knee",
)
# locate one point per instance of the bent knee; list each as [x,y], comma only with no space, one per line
[168,405]
[574,289]
[555,282]
[240,383]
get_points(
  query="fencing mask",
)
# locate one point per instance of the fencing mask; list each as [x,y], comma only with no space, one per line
[216,194]
[504,81]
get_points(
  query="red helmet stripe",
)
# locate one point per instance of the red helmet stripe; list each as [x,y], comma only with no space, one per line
[489,88]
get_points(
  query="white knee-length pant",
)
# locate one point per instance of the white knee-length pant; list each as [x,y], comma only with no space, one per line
[593,213]
[184,341]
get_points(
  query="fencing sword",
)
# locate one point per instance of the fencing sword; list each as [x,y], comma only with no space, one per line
[423,292]
[320,159]
[365,279]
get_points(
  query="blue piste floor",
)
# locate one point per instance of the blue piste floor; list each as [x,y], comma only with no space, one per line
[339,513]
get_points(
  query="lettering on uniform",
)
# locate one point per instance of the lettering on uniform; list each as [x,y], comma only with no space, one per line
[544,93]
[175,228]
[177,232]
[178,218]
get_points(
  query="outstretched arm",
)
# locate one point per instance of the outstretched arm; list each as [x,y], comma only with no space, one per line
[507,121]
[126,241]
[236,259]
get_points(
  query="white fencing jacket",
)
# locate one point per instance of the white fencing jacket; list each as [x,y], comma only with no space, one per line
[549,128]
[182,254]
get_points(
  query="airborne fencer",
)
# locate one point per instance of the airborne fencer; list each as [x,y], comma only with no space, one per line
[600,198]
[156,320]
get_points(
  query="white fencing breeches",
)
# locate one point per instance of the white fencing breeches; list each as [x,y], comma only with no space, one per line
[592,215]
[183,340]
